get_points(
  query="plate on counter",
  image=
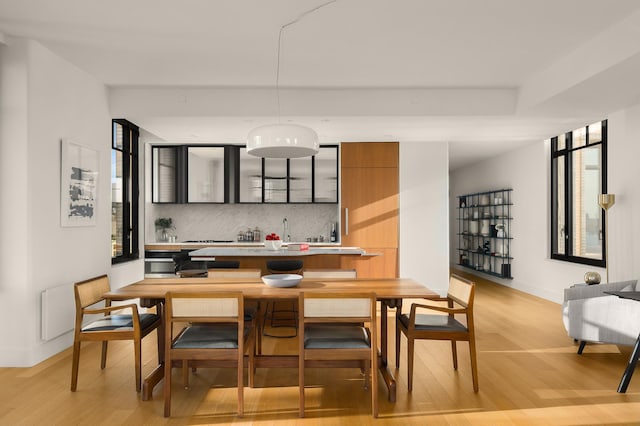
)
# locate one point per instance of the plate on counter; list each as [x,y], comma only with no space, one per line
[282,280]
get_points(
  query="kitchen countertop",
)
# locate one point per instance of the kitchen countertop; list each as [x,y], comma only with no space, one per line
[211,252]
[235,244]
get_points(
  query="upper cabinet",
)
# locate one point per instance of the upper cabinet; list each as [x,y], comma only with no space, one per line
[206,174]
[165,177]
[325,175]
[227,174]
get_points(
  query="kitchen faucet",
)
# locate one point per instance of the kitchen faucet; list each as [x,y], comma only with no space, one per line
[285,230]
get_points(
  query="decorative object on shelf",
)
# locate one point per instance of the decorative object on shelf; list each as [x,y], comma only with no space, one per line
[163,224]
[484,200]
[473,227]
[606,201]
[484,227]
[284,140]
[592,278]
[500,230]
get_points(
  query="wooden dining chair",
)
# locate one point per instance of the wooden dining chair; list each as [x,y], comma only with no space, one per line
[215,335]
[442,326]
[324,274]
[329,338]
[112,326]
[282,313]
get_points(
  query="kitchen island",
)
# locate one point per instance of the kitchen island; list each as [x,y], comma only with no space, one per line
[328,257]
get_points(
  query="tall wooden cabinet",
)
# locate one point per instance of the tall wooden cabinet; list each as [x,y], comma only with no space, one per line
[370,186]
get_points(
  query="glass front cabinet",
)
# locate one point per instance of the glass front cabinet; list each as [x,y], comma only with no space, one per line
[484,232]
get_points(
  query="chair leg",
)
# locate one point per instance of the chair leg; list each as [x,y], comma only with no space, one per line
[74,365]
[367,374]
[410,363]
[167,388]
[474,363]
[581,347]
[241,385]
[301,385]
[138,362]
[103,358]
[185,373]
[454,354]
[398,332]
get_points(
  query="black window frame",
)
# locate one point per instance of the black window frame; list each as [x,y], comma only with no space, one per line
[565,154]
[130,199]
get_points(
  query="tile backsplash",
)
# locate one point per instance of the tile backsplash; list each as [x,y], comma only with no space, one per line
[224,221]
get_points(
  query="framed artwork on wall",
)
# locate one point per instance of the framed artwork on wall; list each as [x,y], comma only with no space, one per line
[78,184]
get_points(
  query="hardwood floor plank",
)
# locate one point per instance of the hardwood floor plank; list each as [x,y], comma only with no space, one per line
[529,373]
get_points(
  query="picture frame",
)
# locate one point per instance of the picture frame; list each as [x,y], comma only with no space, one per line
[78,184]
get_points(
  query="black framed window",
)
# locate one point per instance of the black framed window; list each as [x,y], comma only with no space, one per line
[578,176]
[124,191]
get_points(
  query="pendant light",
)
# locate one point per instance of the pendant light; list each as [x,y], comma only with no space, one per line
[284,140]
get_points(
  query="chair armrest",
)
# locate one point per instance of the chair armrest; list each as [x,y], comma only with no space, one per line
[108,309]
[587,292]
[437,308]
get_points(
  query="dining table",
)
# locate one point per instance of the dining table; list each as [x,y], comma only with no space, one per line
[389,291]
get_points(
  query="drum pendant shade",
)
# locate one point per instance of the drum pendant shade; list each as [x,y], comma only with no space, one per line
[282,141]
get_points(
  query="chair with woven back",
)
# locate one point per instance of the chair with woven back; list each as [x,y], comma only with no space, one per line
[112,326]
[215,334]
[282,313]
[442,326]
[331,337]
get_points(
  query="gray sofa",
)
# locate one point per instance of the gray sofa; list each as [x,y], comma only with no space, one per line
[590,315]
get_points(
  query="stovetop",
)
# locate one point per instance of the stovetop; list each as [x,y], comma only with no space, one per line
[208,241]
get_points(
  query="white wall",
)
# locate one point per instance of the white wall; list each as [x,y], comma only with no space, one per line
[48,100]
[424,213]
[526,170]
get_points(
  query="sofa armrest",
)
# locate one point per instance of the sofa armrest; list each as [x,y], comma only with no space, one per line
[597,290]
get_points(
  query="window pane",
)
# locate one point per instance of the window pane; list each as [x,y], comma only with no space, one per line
[586,180]
[560,246]
[595,132]
[579,137]
[116,203]
[562,142]
[117,136]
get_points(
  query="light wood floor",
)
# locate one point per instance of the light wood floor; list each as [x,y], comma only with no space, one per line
[528,369]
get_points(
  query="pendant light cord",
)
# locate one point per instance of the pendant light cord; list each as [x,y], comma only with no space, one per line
[282,28]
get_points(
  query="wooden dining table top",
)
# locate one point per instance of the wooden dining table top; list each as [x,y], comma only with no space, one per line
[384,288]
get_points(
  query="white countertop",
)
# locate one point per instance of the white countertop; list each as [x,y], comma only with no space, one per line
[211,252]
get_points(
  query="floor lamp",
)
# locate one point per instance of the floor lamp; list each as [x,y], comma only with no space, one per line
[606,201]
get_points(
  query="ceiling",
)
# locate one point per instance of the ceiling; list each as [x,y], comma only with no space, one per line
[487,76]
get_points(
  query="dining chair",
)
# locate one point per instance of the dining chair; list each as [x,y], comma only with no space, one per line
[215,335]
[330,338]
[112,326]
[443,326]
[252,308]
[283,313]
[324,274]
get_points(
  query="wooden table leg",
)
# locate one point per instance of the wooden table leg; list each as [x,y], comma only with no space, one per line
[631,366]
[151,381]
[389,380]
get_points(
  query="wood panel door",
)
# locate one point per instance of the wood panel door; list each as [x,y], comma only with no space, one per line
[370,203]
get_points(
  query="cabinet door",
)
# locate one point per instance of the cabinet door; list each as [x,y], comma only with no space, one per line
[250,176]
[300,180]
[370,207]
[370,154]
[275,180]
[205,177]
[164,180]
[326,175]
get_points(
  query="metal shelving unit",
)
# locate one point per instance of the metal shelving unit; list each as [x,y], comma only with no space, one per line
[484,232]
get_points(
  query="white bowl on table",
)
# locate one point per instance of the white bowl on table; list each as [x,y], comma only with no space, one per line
[273,244]
[282,280]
